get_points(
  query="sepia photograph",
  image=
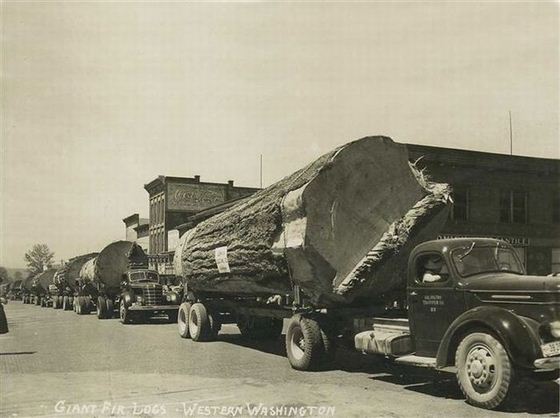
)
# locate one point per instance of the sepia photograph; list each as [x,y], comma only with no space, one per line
[280,209]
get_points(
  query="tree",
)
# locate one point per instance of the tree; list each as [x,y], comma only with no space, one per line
[38,258]
[3,275]
[18,276]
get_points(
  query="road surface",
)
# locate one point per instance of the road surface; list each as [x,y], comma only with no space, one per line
[56,363]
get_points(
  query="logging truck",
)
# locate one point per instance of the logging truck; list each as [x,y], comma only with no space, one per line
[483,319]
[344,249]
[118,277]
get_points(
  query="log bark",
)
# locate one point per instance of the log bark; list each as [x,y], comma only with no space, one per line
[67,275]
[333,227]
[107,268]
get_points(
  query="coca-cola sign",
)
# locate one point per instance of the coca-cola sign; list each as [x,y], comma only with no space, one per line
[194,197]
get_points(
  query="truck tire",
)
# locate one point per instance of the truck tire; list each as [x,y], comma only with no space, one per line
[304,343]
[37,301]
[55,302]
[82,306]
[110,308]
[65,303]
[71,301]
[183,319]
[101,307]
[484,371]
[199,323]
[125,316]
[260,328]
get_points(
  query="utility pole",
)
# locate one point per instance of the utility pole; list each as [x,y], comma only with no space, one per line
[261,174]
[510,135]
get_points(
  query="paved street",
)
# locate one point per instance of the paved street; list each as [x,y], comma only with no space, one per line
[56,363]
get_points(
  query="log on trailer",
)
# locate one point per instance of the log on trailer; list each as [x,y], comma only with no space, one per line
[67,275]
[105,271]
[340,228]
[41,282]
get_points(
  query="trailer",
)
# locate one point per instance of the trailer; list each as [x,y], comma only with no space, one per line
[343,250]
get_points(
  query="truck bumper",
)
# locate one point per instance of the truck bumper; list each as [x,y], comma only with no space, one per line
[153,308]
[548,363]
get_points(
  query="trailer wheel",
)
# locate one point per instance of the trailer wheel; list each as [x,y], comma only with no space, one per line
[484,371]
[110,308]
[101,307]
[65,303]
[199,323]
[124,314]
[304,343]
[55,302]
[82,306]
[183,319]
[71,301]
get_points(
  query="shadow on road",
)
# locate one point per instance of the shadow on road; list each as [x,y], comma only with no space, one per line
[18,353]
[530,397]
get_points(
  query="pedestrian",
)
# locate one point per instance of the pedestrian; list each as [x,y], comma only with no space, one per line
[3,319]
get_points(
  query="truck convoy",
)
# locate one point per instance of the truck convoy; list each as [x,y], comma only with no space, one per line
[343,250]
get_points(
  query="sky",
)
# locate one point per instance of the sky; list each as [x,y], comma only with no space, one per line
[100,98]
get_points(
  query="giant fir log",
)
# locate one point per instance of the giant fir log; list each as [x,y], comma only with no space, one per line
[341,228]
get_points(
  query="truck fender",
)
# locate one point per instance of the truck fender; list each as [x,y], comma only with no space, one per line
[127,298]
[519,335]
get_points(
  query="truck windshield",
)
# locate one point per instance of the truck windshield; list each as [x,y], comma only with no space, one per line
[485,259]
[144,276]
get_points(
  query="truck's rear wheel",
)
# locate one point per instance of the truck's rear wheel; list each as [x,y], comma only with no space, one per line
[183,319]
[83,306]
[304,343]
[65,303]
[110,308]
[484,371]
[199,323]
[55,302]
[101,307]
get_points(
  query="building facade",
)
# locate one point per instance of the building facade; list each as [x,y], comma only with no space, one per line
[509,197]
[137,230]
[173,199]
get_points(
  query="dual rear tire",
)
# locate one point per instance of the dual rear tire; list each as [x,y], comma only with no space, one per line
[105,308]
[196,322]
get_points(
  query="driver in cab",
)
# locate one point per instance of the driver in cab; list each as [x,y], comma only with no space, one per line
[433,269]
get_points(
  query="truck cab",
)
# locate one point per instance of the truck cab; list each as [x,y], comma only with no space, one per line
[472,309]
[144,296]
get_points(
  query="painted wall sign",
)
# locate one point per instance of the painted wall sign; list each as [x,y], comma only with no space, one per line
[220,254]
[194,197]
[514,241]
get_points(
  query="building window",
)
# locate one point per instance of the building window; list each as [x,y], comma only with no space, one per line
[556,209]
[460,208]
[556,260]
[513,207]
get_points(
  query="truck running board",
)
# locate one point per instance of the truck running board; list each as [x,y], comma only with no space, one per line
[417,361]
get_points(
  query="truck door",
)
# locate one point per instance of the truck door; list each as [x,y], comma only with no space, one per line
[433,301]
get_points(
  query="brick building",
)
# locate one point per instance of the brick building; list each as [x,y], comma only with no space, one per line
[173,200]
[495,195]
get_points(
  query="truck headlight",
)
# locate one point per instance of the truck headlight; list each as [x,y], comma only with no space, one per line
[555,329]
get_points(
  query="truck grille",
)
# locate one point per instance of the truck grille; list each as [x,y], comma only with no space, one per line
[153,294]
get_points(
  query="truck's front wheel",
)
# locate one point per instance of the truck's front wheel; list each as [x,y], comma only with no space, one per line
[124,314]
[304,343]
[484,370]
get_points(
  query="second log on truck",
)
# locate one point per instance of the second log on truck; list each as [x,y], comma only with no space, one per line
[343,250]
